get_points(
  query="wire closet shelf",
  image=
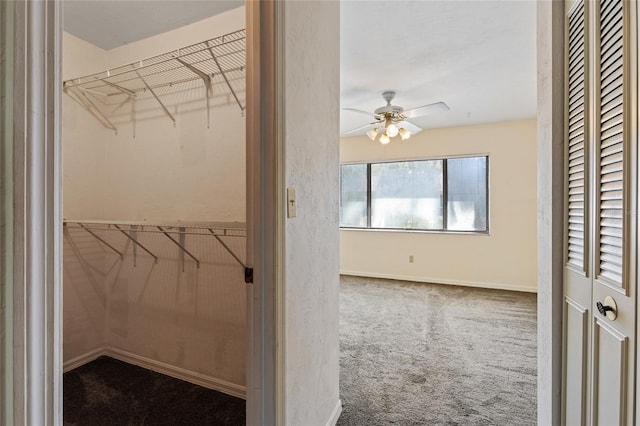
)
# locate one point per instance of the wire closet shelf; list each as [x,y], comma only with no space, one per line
[220,61]
[174,232]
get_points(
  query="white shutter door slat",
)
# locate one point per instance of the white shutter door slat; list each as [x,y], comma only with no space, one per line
[615,109]
[611,151]
[611,259]
[611,38]
[575,116]
[614,66]
[613,160]
[576,154]
[577,112]
[613,140]
[611,213]
[577,220]
[611,222]
[576,228]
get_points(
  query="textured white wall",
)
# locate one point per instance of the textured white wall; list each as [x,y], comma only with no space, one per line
[192,319]
[311,147]
[506,258]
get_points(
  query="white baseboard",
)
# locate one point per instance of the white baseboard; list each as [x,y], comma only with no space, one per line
[179,373]
[335,415]
[83,359]
[495,286]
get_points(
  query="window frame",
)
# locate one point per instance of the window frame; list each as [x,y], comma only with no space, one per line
[445,184]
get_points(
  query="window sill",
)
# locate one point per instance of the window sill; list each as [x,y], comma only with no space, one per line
[418,231]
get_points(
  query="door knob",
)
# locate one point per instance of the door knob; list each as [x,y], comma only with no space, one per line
[608,308]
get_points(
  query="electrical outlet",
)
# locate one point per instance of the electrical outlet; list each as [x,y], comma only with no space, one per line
[411,259]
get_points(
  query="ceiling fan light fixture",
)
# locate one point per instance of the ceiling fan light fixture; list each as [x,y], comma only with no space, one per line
[384,139]
[404,133]
[373,133]
[392,130]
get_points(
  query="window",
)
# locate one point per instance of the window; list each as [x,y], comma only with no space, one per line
[447,194]
[353,195]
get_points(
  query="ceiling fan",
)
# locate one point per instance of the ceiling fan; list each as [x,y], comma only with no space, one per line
[392,120]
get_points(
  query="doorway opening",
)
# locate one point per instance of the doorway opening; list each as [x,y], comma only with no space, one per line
[439,227]
[153,138]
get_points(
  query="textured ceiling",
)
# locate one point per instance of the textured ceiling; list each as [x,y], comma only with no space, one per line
[477,56]
[113,23]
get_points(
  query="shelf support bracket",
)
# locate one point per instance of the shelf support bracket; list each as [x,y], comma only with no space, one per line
[180,245]
[233,92]
[156,96]
[86,103]
[101,240]
[207,82]
[226,247]
[135,241]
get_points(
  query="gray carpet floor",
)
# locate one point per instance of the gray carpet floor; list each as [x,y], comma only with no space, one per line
[426,354]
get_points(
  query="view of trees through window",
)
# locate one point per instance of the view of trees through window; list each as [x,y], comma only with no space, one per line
[435,194]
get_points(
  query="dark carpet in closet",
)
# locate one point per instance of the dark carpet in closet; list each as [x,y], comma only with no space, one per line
[111,392]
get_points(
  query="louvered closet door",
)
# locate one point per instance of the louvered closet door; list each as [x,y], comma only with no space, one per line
[600,228]
[615,151]
[577,276]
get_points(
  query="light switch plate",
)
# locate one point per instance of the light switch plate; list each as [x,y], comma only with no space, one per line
[291,202]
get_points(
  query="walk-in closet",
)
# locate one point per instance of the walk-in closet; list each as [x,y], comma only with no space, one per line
[154,188]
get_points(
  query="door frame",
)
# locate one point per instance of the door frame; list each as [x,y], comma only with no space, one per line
[265,213]
[38,213]
[550,82]
[37,261]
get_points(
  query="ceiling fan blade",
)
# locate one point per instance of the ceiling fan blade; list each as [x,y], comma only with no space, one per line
[426,109]
[370,114]
[361,128]
[410,127]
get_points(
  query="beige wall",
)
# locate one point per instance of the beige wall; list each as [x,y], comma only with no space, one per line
[84,169]
[312,57]
[191,319]
[84,177]
[189,172]
[506,258]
